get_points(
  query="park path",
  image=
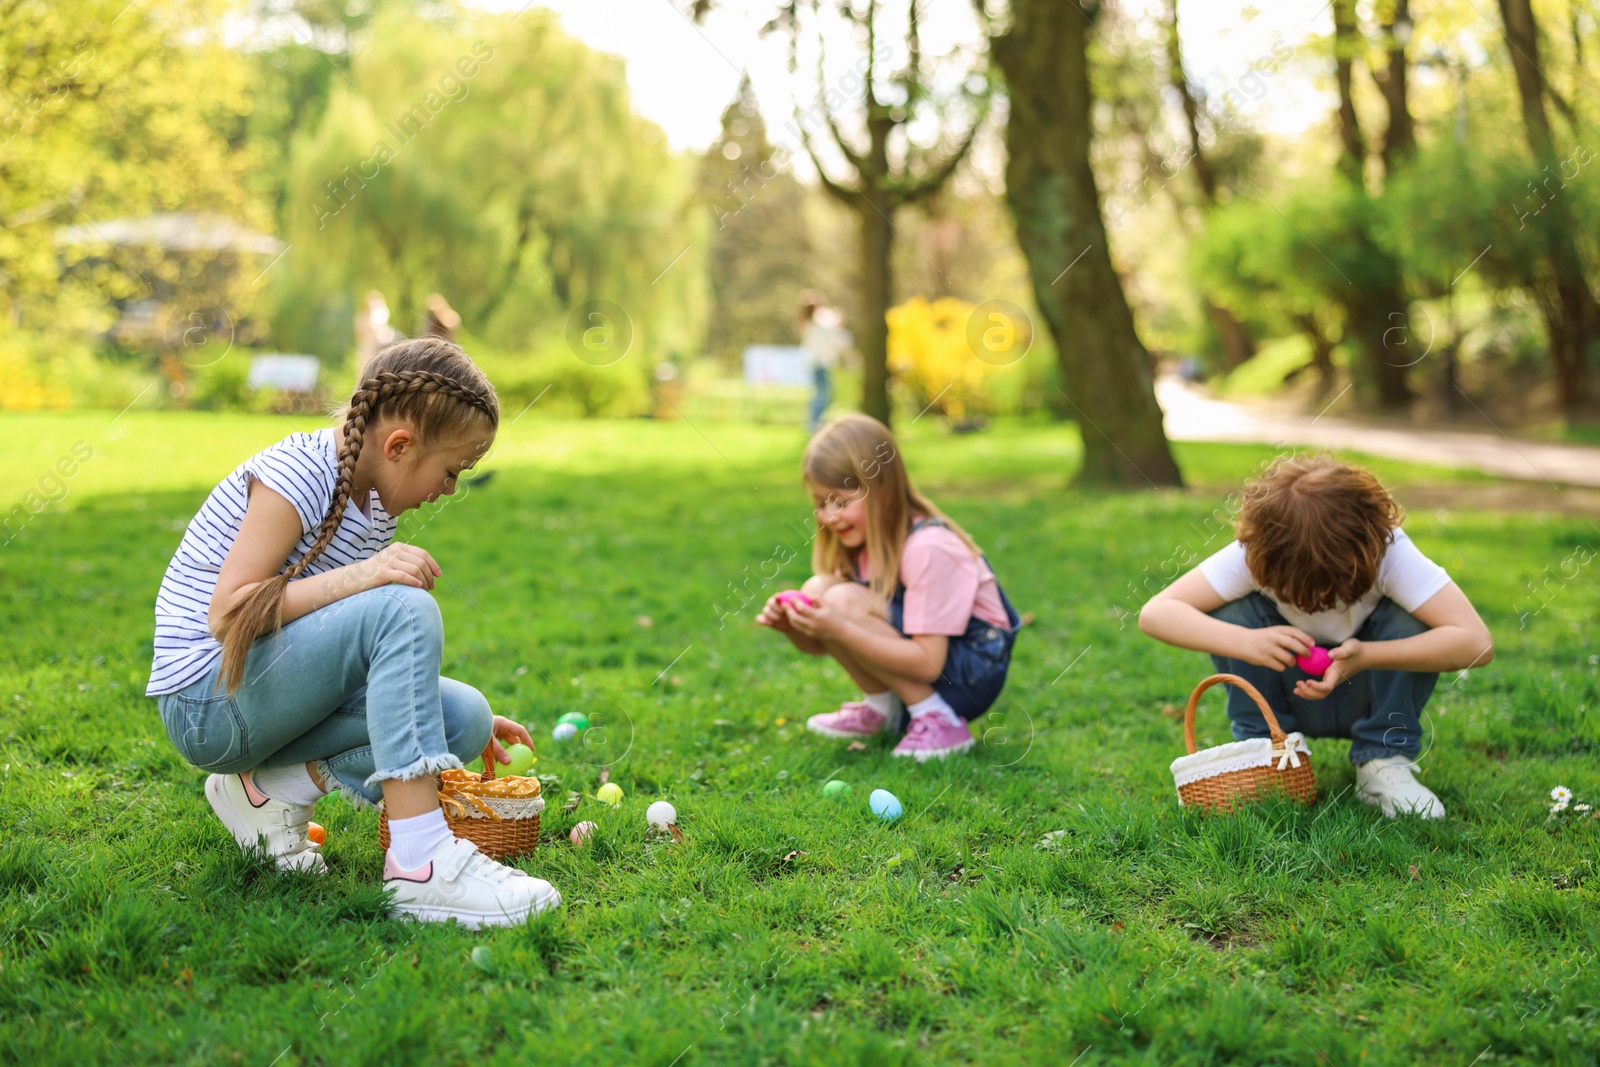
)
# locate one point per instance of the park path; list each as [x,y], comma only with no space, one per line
[1192,414]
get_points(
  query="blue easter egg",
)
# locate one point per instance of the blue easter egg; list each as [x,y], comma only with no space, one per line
[885,805]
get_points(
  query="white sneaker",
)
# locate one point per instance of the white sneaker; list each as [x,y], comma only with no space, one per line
[257,821]
[1389,783]
[461,883]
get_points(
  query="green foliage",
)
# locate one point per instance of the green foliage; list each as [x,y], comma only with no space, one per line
[59,369]
[1490,209]
[1293,255]
[102,117]
[761,245]
[560,384]
[499,162]
[1269,369]
[222,386]
[131,930]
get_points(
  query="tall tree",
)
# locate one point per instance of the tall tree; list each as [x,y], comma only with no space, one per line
[104,113]
[1375,299]
[501,163]
[1400,136]
[1571,316]
[1237,344]
[761,250]
[1042,50]
[890,170]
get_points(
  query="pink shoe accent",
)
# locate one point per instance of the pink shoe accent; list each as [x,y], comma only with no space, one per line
[256,797]
[854,719]
[932,736]
[392,871]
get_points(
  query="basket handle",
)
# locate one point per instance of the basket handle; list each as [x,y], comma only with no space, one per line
[1234,680]
[488,762]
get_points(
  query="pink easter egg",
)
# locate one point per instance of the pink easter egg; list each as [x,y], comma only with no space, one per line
[789,595]
[580,833]
[1315,662]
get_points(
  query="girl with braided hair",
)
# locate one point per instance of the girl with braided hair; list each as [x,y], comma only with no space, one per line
[297,646]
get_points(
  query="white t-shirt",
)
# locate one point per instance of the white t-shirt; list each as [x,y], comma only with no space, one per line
[825,339]
[302,468]
[1405,576]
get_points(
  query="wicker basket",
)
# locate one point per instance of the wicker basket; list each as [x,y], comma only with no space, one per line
[500,816]
[1228,775]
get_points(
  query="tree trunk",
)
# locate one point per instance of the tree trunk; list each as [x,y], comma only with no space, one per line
[1400,139]
[1232,335]
[1236,342]
[1352,149]
[1321,352]
[1377,306]
[1572,316]
[1051,192]
[874,211]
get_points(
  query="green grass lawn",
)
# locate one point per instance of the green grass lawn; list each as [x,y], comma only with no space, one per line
[602,569]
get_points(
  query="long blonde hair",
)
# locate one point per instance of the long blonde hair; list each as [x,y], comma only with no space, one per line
[856,455]
[427,382]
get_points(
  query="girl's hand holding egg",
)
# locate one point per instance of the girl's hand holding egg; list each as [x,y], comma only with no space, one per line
[511,734]
[773,613]
[814,620]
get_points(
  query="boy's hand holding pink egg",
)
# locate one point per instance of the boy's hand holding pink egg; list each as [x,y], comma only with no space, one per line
[1277,647]
[1343,663]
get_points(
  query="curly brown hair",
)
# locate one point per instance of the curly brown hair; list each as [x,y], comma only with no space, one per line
[1315,530]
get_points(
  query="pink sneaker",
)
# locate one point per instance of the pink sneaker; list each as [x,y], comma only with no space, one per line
[854,718]
[933,736]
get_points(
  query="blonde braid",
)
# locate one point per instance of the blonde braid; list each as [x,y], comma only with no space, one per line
[261,611]
[372,396]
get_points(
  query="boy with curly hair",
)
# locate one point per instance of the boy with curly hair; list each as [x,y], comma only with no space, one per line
[1320,559]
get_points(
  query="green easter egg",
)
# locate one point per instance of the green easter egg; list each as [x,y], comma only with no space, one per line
[576,718]
[836,788]
[521,761]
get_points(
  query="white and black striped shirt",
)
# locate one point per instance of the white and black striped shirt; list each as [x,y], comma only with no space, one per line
[302,468]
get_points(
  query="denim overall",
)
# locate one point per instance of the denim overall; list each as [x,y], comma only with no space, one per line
[975,665]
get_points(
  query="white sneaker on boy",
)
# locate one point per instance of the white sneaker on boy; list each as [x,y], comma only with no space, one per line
[256,820]
[1390,784]
[461,883]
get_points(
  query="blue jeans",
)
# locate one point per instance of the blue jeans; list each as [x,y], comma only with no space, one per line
[355,683]
[822,378]
[1380,711]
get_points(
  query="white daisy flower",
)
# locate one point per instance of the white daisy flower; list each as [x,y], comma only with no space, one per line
[1580,807]
[1560,805]
[1561,794]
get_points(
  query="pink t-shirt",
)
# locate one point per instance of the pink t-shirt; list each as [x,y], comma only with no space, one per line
[946,585]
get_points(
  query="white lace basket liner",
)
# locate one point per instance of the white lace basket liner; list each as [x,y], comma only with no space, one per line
[504,807]
[1224,775]
[1239,756]
[465,795]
